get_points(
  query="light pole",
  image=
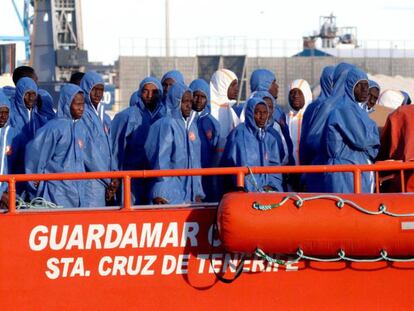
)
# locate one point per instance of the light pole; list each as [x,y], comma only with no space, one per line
[167,28]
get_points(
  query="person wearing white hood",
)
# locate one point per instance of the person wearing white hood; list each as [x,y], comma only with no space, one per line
[223,94]
[391,99]
[300,96]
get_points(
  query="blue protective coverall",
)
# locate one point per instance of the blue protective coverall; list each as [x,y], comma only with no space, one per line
[98,150]
[174,143]
[307,153]
[248,145]
[129,131]
[209,132]
[261,80]
[7,144]
[314,145]
[46,109]
[351,137]
[58,148]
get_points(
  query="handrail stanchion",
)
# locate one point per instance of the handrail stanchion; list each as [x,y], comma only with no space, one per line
[127,193]
[357,180]
[377,182]
[12,195]
[402,181]
[240,179]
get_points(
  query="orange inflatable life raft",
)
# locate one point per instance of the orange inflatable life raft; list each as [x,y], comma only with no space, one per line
[318,224]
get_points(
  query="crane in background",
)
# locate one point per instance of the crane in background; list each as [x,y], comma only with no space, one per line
[53,39]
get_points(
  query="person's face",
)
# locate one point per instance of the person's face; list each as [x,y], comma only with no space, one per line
[296,99]
[4,116]
[30,99]
[97,94]
[77,106]
[166,84]
[233,90]
[274,89]
[186,104]
[373,95]
[270,107]
[261,115]
[149,95]
[361,91]
[199,101]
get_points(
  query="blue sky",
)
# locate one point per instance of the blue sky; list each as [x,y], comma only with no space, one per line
[106,21]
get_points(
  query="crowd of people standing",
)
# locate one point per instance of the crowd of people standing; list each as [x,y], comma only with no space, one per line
[169,125]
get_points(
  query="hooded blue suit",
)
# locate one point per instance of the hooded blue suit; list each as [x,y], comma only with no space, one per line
[261,80]
[26,123]
[351,137]
[209,132]
[47,105]
[174,143]
[307,152]
[248,145]
[129,131]
[314,143]
[58,148]
[98,151]
[7,144]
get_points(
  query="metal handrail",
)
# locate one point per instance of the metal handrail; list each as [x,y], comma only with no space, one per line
[239,172]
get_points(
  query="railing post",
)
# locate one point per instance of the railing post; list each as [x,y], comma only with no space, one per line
[12,195]
[402,176]
[357,180]
[127,193]
[240,179]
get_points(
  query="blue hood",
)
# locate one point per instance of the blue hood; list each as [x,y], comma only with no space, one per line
[354,76]
[47,104]
[265,94]
[261,79]
[339,77]
[202,86]
[373,84]
[23,86]
[4,100]
[67,93]
[406,98]
[326,81]
[250,106]
[173,101]
[88,82]
[136,96]
[175,75]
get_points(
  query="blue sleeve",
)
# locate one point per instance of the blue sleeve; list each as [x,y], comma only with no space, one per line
[275,159]
[158,148]
[356,132]
[118,134]
[39,151]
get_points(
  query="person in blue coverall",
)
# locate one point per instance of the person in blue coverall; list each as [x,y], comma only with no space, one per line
[98,151]
[265,80]
[351,136]
[173,143]
[168,79]
[58,148]
[374,92]
[129,130]
[208,130]
[314,148]
[45,104]
[251,144]
[307,153]
[7,146]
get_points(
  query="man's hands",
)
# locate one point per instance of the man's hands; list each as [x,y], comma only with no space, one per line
[112,189]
